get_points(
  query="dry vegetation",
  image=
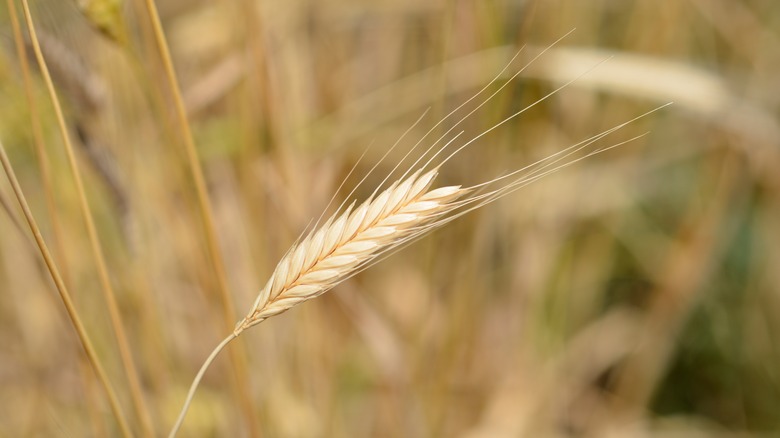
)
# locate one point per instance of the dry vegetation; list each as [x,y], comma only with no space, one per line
[633,295]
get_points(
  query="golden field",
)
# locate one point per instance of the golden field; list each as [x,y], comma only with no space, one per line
[632,294]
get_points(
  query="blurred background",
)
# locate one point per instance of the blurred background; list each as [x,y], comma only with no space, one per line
[632,294]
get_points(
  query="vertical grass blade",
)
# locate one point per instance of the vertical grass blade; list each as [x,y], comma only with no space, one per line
[97,251]
[89,349]
[237,354]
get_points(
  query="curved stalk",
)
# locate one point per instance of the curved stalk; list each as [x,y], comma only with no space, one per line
[196,382]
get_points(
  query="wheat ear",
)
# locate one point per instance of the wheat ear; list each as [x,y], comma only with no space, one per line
[344,244]
[355,238]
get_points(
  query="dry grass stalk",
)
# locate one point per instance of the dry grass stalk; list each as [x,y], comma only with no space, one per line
[44,167]
[115,315]
[237,355]
[59,283]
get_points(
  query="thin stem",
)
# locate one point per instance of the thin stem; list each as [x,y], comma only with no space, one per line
[44,166]
[237,355]
[97,251]
[38,143]
[89,349]
[196,382]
